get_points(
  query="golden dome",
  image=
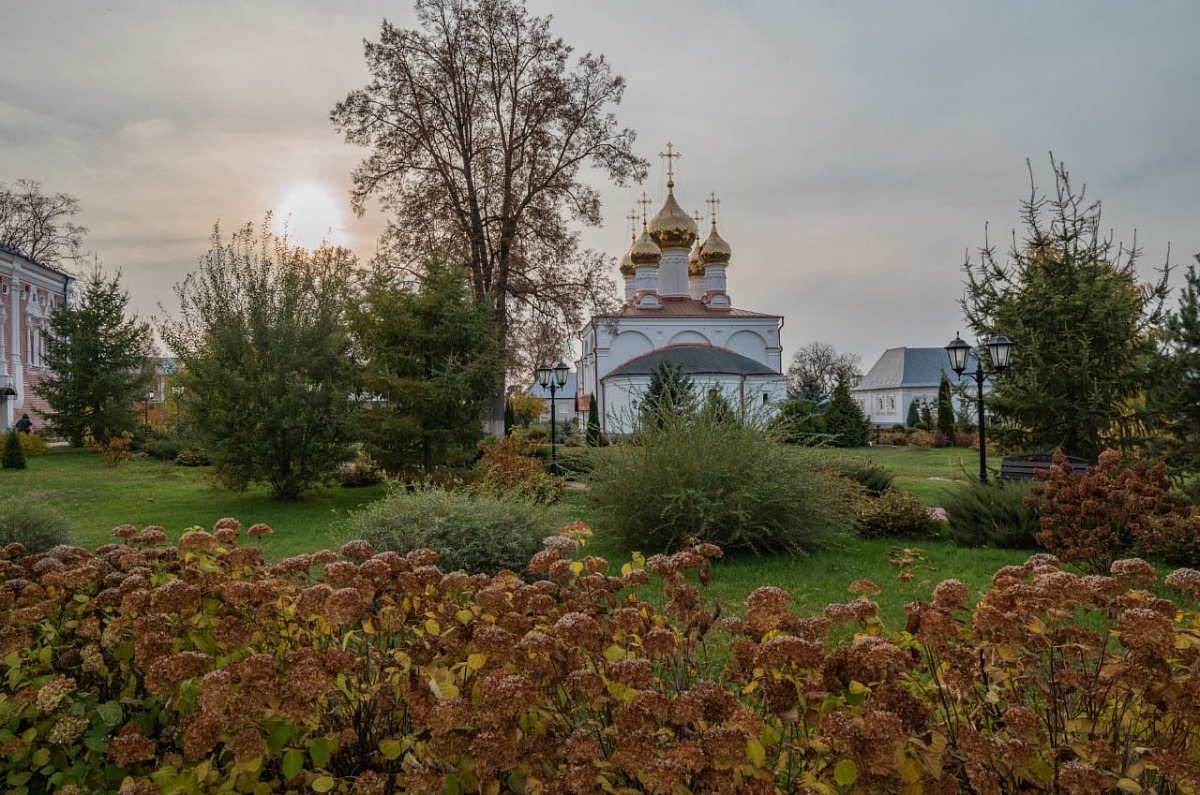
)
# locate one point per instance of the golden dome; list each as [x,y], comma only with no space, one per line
[627,269]
[645,251]
[672,227]
[695,263]
[715,250]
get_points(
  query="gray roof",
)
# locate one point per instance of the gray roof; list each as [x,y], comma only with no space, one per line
[695,360]
[910,367]
[563,392]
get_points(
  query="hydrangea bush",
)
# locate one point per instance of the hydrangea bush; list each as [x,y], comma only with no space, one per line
[144,668]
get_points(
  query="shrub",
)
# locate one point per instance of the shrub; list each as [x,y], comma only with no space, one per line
[193,457]
[1092,518]
[578,462]
[115,451]
[967,439]
[896,514]
[14,452]
[507,474]
[33,524]
[164,448]
[874,479]
[894,437]
[474,533]
[720,482]
[994,515]
[359,473]
[920,439]
[940,439]
[146,668]
[33,444]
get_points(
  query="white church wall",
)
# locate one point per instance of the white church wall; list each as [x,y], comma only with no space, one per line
[749,344]
[689,337]
[628,345]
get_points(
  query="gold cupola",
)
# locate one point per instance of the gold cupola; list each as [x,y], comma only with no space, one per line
[695,263]
[672,227]
[645,251]
[715,250]
[627,269]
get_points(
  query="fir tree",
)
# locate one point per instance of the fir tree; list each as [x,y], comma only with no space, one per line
[595,437]
[844,418]
[670,393]
[14,452]
[945,410]
[914,414]
[1175,394]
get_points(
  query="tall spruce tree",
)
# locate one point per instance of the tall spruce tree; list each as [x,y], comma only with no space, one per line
[1082,323]
[945,410]
[430,365]
[1175,393]
[97,362]
[594,436]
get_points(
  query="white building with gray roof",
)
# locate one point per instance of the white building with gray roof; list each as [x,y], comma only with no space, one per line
[901,376]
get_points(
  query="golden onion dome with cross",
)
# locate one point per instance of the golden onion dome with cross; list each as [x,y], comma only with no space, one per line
[645,251]
[715,250]
[672,227]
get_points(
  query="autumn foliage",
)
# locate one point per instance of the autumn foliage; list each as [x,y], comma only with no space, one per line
[145,668]
[1109,511]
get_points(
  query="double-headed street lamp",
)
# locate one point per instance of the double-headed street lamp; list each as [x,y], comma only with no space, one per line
[1000,351]
[559,372]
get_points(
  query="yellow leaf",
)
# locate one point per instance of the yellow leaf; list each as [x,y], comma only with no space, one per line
[908,767]
[639,560]
[857,687]
[755,752]
[464,616]
[323,783]
[390,748]
[614,653]
[1129,785]
[432,626]
[476,661]
[577,567]
[845,772]
[1036,626]
[368,627]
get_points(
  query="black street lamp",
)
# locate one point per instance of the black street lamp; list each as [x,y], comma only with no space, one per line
[1000,351]
[558,382]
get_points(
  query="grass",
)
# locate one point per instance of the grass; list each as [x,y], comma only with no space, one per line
[141,492]
[95,499]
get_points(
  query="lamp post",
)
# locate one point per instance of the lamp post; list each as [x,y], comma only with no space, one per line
[559,371]
[1000,351]
[146,407]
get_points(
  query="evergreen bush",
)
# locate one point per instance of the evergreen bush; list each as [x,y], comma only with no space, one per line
[34,444]
[994,515]
[694,476]
[472,533]
[874,479]
[14,452]
[844,419]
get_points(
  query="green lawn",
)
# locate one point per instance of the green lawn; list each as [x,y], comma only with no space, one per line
[142,492]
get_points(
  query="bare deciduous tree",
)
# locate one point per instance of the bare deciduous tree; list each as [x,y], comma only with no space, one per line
[816,368]
[38,225]
[478,128]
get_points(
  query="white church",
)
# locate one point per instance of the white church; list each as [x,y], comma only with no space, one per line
[677,307]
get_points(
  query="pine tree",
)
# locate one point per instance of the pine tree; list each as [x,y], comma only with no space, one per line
[945,410]
[14,452]
[595,437]
[1175,394]
[844,418]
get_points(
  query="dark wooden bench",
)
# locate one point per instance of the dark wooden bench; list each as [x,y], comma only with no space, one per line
[1023,467]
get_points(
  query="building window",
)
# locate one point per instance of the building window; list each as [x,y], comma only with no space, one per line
[766,398]
[881,404]
[891,403]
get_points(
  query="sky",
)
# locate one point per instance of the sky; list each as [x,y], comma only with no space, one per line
[859,149]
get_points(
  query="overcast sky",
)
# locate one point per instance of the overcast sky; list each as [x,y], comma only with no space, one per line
[858,148]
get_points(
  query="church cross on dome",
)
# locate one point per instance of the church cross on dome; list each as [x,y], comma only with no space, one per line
[632,219]
[645,202]
[670,155]
[712,201]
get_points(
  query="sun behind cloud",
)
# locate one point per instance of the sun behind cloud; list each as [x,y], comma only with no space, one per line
[310,215]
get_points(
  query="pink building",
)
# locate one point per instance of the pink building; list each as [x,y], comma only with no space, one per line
[29,292]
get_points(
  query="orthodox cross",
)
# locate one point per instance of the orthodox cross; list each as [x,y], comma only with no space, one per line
[645,202]
[632,218]
[697,217]
[712,201]
[670,155]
